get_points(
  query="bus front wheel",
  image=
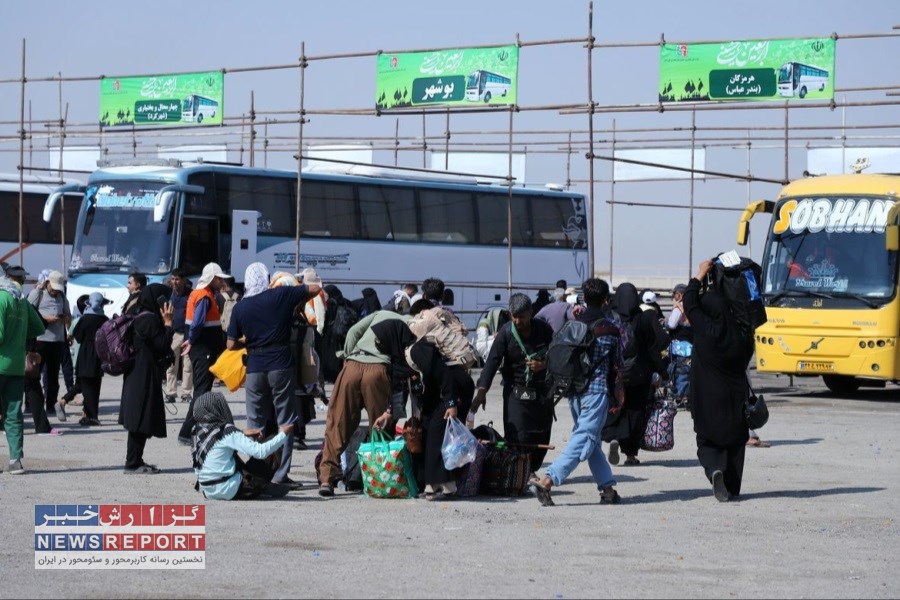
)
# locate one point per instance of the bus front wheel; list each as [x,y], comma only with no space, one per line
[841,384]
[200,118]
[803,92]
[487,97]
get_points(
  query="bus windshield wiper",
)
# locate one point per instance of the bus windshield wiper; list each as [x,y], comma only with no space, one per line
[858,297]
[797,294]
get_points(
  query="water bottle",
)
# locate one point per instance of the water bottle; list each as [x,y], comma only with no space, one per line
[470,419]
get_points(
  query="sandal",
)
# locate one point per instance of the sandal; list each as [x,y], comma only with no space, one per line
[755,442]
[542,492]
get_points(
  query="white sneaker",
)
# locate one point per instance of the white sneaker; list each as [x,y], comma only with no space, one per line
[16,468]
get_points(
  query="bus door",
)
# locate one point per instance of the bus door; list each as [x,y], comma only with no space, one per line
[199,243]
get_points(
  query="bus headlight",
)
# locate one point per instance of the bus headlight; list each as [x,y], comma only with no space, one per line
[871,344]
[875,367]
[881,343]
[862,344]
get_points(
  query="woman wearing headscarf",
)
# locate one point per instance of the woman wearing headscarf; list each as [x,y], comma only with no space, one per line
[335,331]
[221,474]
[87,364]
[718,386]
[642,358]
[520,346]
[142,411]
[368,303]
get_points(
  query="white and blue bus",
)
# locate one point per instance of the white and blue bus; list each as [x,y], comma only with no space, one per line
[484,85]
[45,245]
[377,230]
[797,79]
[195,108]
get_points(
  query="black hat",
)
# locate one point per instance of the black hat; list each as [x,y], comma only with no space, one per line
[13,270]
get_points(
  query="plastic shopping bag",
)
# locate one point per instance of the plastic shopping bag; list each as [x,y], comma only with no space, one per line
[229,367]
[459,445]
[386,468]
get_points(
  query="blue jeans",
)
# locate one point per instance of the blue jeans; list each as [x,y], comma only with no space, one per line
[589,413]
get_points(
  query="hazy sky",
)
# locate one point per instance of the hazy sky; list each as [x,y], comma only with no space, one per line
[134,38]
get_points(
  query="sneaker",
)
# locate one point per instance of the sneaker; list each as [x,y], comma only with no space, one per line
[718,485]
[170,398]
[184,441]
[614,452]
[60,411]
[15,467]
[326,490]
[610,496]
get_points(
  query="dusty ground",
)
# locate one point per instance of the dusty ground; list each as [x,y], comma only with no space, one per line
[818,519]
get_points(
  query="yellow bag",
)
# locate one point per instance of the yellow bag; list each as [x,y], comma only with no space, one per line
[230,368]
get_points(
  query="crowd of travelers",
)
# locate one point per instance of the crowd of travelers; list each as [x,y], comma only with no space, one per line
[406,364]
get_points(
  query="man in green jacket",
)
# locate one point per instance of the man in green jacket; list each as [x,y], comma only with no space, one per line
[363,383]
[18,322]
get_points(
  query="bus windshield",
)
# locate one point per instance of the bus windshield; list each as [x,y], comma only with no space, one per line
[116,231]
[785,73]
[846,264]
[474,80]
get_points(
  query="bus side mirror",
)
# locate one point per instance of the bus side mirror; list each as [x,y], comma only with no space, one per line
[892,237]
[743,233]
[52,199]
[166,196]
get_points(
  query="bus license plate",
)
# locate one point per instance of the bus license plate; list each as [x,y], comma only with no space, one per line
[815,366]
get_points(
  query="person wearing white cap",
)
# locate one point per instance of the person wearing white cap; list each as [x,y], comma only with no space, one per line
[204,341]
[49,299]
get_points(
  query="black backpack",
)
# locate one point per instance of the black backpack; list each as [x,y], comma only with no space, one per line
[739,285]
[569,367]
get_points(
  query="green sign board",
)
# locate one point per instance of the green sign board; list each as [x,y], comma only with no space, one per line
[458,77]
[752,70]
[189,99]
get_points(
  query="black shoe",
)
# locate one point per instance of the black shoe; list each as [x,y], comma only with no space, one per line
[300,445]
[184,441]
[275,490]
[718,485]
[84,422]
[290,484]
[326,490]
[170,398]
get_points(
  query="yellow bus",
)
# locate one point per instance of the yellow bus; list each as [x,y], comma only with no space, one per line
[830,280]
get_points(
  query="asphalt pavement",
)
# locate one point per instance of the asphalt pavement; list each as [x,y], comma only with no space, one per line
[817,518]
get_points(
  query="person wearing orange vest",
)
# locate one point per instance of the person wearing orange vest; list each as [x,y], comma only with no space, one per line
[204,341]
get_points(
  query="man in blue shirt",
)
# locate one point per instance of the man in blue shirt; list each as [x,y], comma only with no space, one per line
[263,318]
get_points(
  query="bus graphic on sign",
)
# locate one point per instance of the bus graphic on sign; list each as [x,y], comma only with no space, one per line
[797,79]
[195,108]
[483,85]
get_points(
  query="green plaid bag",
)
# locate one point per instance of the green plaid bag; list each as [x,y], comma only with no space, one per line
[386,468]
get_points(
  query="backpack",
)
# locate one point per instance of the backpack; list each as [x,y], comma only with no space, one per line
[739,285]
[444,329]
[227,308]
[114,344]
[344,318]
[635,370]
[569,367]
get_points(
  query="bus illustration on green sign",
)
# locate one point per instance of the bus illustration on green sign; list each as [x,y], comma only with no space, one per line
[186,99]
[461,76]
[794,69]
